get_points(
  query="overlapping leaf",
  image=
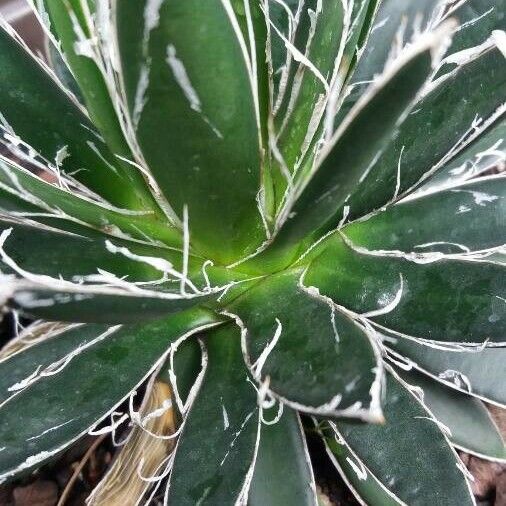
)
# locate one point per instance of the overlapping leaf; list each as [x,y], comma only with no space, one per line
[22,192]
[308,352]
[72,390]
[395,462]
[283,472]
[468,420]
[486,153]
[446,120]
[221,430]
[73,23]
[355,146]
[461,369]
[434,298]
[37,110]
[467,217]
[180,77]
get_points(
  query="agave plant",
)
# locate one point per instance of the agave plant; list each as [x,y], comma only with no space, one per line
[275,209]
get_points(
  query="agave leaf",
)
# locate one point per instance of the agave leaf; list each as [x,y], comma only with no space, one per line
[449,123]
[486,153]
[221,430]
[435,297]
[252,23]
[466,217]
[70,302]
[365,486]
[186,362]
[286,18]
[306,351]
[47,251]
[73,23]
[21,191]
[78,389]
[312,79]
[395,23]
[180,78]
[461,368]
[357,143]
[477,19]
[471,426]
[401,454]
[283,472]
[54,345]
[57,131]
[62,71]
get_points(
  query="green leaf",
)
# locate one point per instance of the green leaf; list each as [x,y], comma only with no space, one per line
[446,119]
[487,152]
[287,18]
[73,22]
[42,250]
[306,351]
[71,302]
[392,19]
[461,369]
[454,299]
[38,110]
[62,401]
[283,472]
[365,486]
[185,69]
[355,145]
[62,71]
[478,19]
[408,455]
[466,217]
[22,191]
[471,426]
[307,96]
[221,430]
[56,344]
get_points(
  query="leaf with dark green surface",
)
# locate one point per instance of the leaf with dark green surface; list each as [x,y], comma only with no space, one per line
[62,71]
[72,256]
[477,19]
[468,420]
[314,357]
[180,78]
[482,155]
[306,105]
[286,18]
[57,344]
[108,303]
[402,453]
[445,119]
[39,111]
[20,190]
[366,487]
[78,389]
[461,369]
[220,431]
[394,19]
[283,472]
[467,217]
[434,298]
[74,24]
[367,132]
[187,360]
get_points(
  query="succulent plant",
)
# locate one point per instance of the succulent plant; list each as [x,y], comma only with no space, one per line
[268,210]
